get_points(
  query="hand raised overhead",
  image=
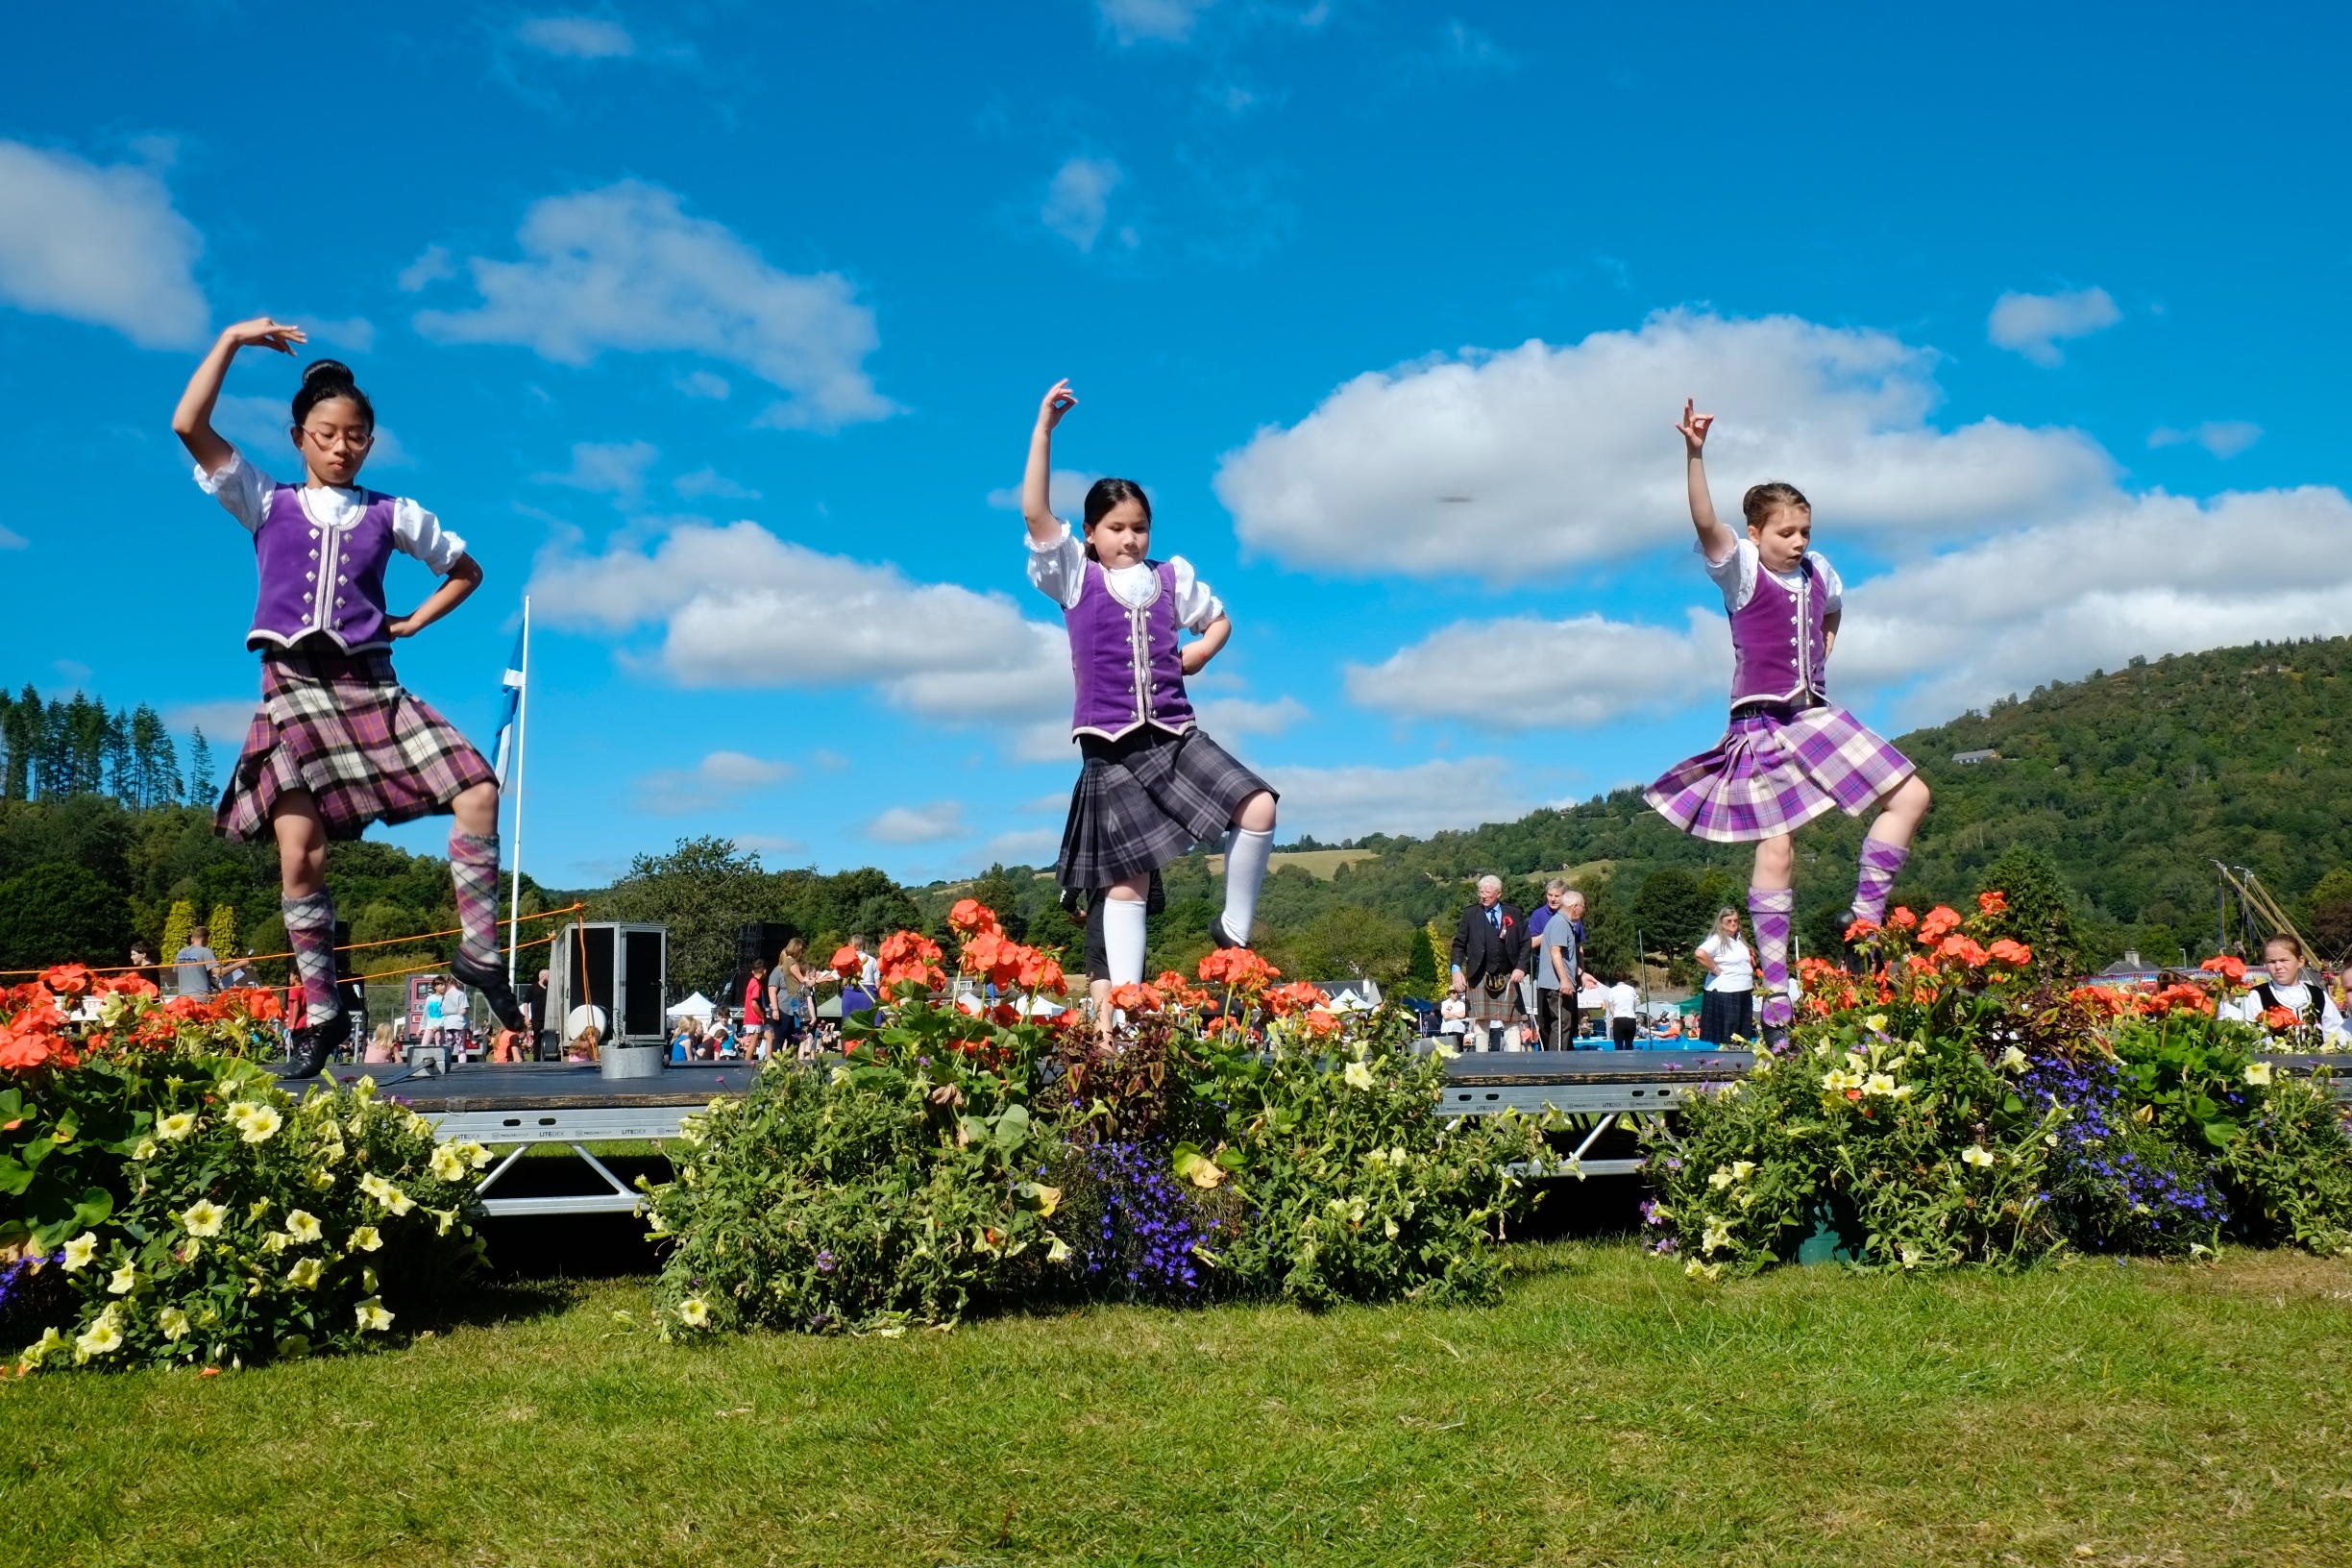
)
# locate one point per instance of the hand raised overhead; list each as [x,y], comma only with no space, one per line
[266,332]
[1694,427]
[1060,401]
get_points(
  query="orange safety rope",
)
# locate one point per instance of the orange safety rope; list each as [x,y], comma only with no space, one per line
[348,947]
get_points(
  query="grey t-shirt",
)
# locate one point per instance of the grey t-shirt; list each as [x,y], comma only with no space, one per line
[1558,932]
[195,967]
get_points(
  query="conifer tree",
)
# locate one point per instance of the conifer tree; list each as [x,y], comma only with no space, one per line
[175,928]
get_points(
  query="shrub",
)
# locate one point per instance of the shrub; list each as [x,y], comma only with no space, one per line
[184,1209]
[59,912]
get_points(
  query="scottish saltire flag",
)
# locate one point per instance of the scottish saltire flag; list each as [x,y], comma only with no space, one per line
[512,680]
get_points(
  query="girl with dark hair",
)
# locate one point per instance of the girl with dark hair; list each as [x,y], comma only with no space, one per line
[1152,784]
[1790,753]
[336,743]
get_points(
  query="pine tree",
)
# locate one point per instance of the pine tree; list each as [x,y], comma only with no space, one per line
[24,739]
[2037,896]
[121,770]
[1421,965]
[200,768]
[175,928]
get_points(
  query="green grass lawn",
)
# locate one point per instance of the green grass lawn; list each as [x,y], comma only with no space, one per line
[1607,1411]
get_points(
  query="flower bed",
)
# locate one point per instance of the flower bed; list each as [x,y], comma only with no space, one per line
[1235,1139]
[169,1204]
[1951,1105]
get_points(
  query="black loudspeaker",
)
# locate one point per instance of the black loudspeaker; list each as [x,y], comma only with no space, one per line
[756,946]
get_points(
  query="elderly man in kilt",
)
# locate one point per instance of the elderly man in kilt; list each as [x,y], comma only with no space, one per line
[1489,958]
[337,743]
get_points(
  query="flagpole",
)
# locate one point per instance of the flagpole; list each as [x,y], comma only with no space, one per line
[514,859]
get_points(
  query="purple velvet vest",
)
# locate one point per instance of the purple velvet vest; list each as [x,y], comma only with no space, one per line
[1777,646]
[319,580]
[1129,667]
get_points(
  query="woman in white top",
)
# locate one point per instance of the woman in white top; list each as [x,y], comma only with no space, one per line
[1727,1011]
[1624,1014]
[2288,987]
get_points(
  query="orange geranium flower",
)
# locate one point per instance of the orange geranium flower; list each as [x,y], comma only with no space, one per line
[1137,998]
[2011,952]
[129,985]
[24,1049]
[1239,968]
[1995,902]
[971,917]
[1860,929]
[1964,950]
[2232,969]
[849,963]
[908,955]
[2279,1019]
[67,979]
[1320,1022]
[1939,920]
[1298,996]
[1902,919]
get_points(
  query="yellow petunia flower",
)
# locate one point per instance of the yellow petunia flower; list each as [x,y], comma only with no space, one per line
[446,1163]
[173,1324]
[101,1338]
[366,1239]
[80,1251]
[123,1281]
[695,1313]
[372,1315]
[302,1226]
[305,1274]
[176,1126]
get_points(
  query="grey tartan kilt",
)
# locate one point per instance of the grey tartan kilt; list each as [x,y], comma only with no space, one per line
[1144,799]
[1486,1008]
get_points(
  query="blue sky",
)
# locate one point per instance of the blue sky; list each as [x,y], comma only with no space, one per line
[720,327]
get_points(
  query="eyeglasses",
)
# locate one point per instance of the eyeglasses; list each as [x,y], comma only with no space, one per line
[332,438]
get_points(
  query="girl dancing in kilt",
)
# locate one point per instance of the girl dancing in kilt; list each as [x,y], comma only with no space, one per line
[337,744]
[1790,753]
[1153,785]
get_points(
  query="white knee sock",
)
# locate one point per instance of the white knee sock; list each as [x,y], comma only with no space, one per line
[1245,867]
[1123,939]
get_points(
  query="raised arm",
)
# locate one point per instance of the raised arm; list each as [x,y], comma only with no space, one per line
[192,420]
[1716,540]
[1037,481]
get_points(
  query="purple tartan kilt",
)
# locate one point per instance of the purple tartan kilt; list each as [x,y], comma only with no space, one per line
[1145,798]
[1775,769]
[339,726]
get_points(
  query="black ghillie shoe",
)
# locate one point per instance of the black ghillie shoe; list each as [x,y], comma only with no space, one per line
[491,982]
[309,1046]
[1223,936]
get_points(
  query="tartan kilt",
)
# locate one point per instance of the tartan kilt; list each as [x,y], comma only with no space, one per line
[1144,799]
[340,725]
[1775,769]
[1491,1007]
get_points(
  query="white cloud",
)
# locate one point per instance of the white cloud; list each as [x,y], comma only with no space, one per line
[1078,200]
[2224,439]
[710,482]
[771,844]
[1535,673]
[623,268]
[718,779]
[919,825]
[613,468]
[2148,575]
[10,539]
[1536,460]
[1065,491]
[1129,22]
[356,333]
[2033,324]
[701,383]
[1239,716]
[1424,798]
[576,37]
[1031,846]
[1464,48]
[740,607]
[430,267]
[224,722]
[102,245]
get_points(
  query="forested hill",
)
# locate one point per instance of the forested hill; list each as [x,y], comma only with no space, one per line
[2131,784]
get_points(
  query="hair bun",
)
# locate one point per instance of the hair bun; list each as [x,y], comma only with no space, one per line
[328,373]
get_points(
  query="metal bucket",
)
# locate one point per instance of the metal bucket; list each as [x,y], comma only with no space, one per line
[633,1061]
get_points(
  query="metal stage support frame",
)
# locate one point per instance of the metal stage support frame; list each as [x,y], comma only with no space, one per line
[1594,1089]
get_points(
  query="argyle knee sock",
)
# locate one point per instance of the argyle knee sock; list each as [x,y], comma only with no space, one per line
[310,925]
[1123,939]
[473,863]
[1245,869]
[1770,909]
[1880,862]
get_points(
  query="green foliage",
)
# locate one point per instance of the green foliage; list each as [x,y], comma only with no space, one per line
[59,912]
[256,1226]
[177,926]
[2291,1169]
[2036,913]
[1357,1192]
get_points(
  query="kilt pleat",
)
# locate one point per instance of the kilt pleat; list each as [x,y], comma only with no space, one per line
[340,727]
[1143,800]
[1775,769]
